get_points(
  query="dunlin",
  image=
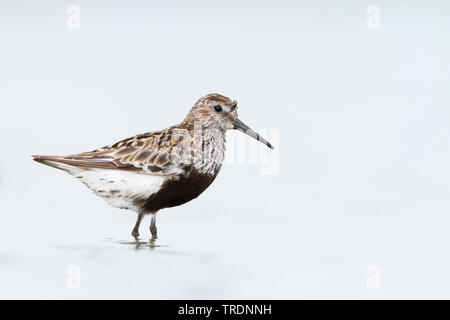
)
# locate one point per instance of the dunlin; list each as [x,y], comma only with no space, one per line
[162,169]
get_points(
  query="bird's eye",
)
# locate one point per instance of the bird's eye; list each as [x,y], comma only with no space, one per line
[218,108]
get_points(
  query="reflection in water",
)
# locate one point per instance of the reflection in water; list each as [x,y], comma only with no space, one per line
[142,244]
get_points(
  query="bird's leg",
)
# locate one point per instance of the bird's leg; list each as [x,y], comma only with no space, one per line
[153,229]
[135,232]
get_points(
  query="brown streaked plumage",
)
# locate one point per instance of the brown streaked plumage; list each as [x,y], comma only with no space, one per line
[156,170]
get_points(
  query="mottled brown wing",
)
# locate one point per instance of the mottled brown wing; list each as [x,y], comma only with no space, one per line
[149,152]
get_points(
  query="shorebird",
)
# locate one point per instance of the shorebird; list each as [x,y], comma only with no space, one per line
[161,169]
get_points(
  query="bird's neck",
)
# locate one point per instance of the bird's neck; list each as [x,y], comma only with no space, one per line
[209,146]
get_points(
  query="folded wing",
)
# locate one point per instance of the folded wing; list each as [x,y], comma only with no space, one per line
[157,153]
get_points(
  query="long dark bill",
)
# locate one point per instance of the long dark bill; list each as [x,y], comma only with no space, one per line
[239,125]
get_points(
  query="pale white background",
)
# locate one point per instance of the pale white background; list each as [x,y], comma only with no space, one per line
[363,119]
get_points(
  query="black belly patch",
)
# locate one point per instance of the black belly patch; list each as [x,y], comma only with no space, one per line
[176,192]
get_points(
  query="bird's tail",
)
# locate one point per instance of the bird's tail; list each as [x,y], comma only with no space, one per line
[55,162]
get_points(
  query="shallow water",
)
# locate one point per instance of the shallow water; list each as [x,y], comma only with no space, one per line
[206,252]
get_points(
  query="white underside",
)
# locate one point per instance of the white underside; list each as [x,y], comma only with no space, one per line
[118,187]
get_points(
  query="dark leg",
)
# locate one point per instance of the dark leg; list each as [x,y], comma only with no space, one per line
[135,232]
[153,229]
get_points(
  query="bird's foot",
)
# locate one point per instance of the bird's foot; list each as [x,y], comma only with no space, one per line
[154,232]
[135,233]
[153,229]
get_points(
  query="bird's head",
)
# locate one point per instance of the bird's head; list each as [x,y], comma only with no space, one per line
[215,111]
